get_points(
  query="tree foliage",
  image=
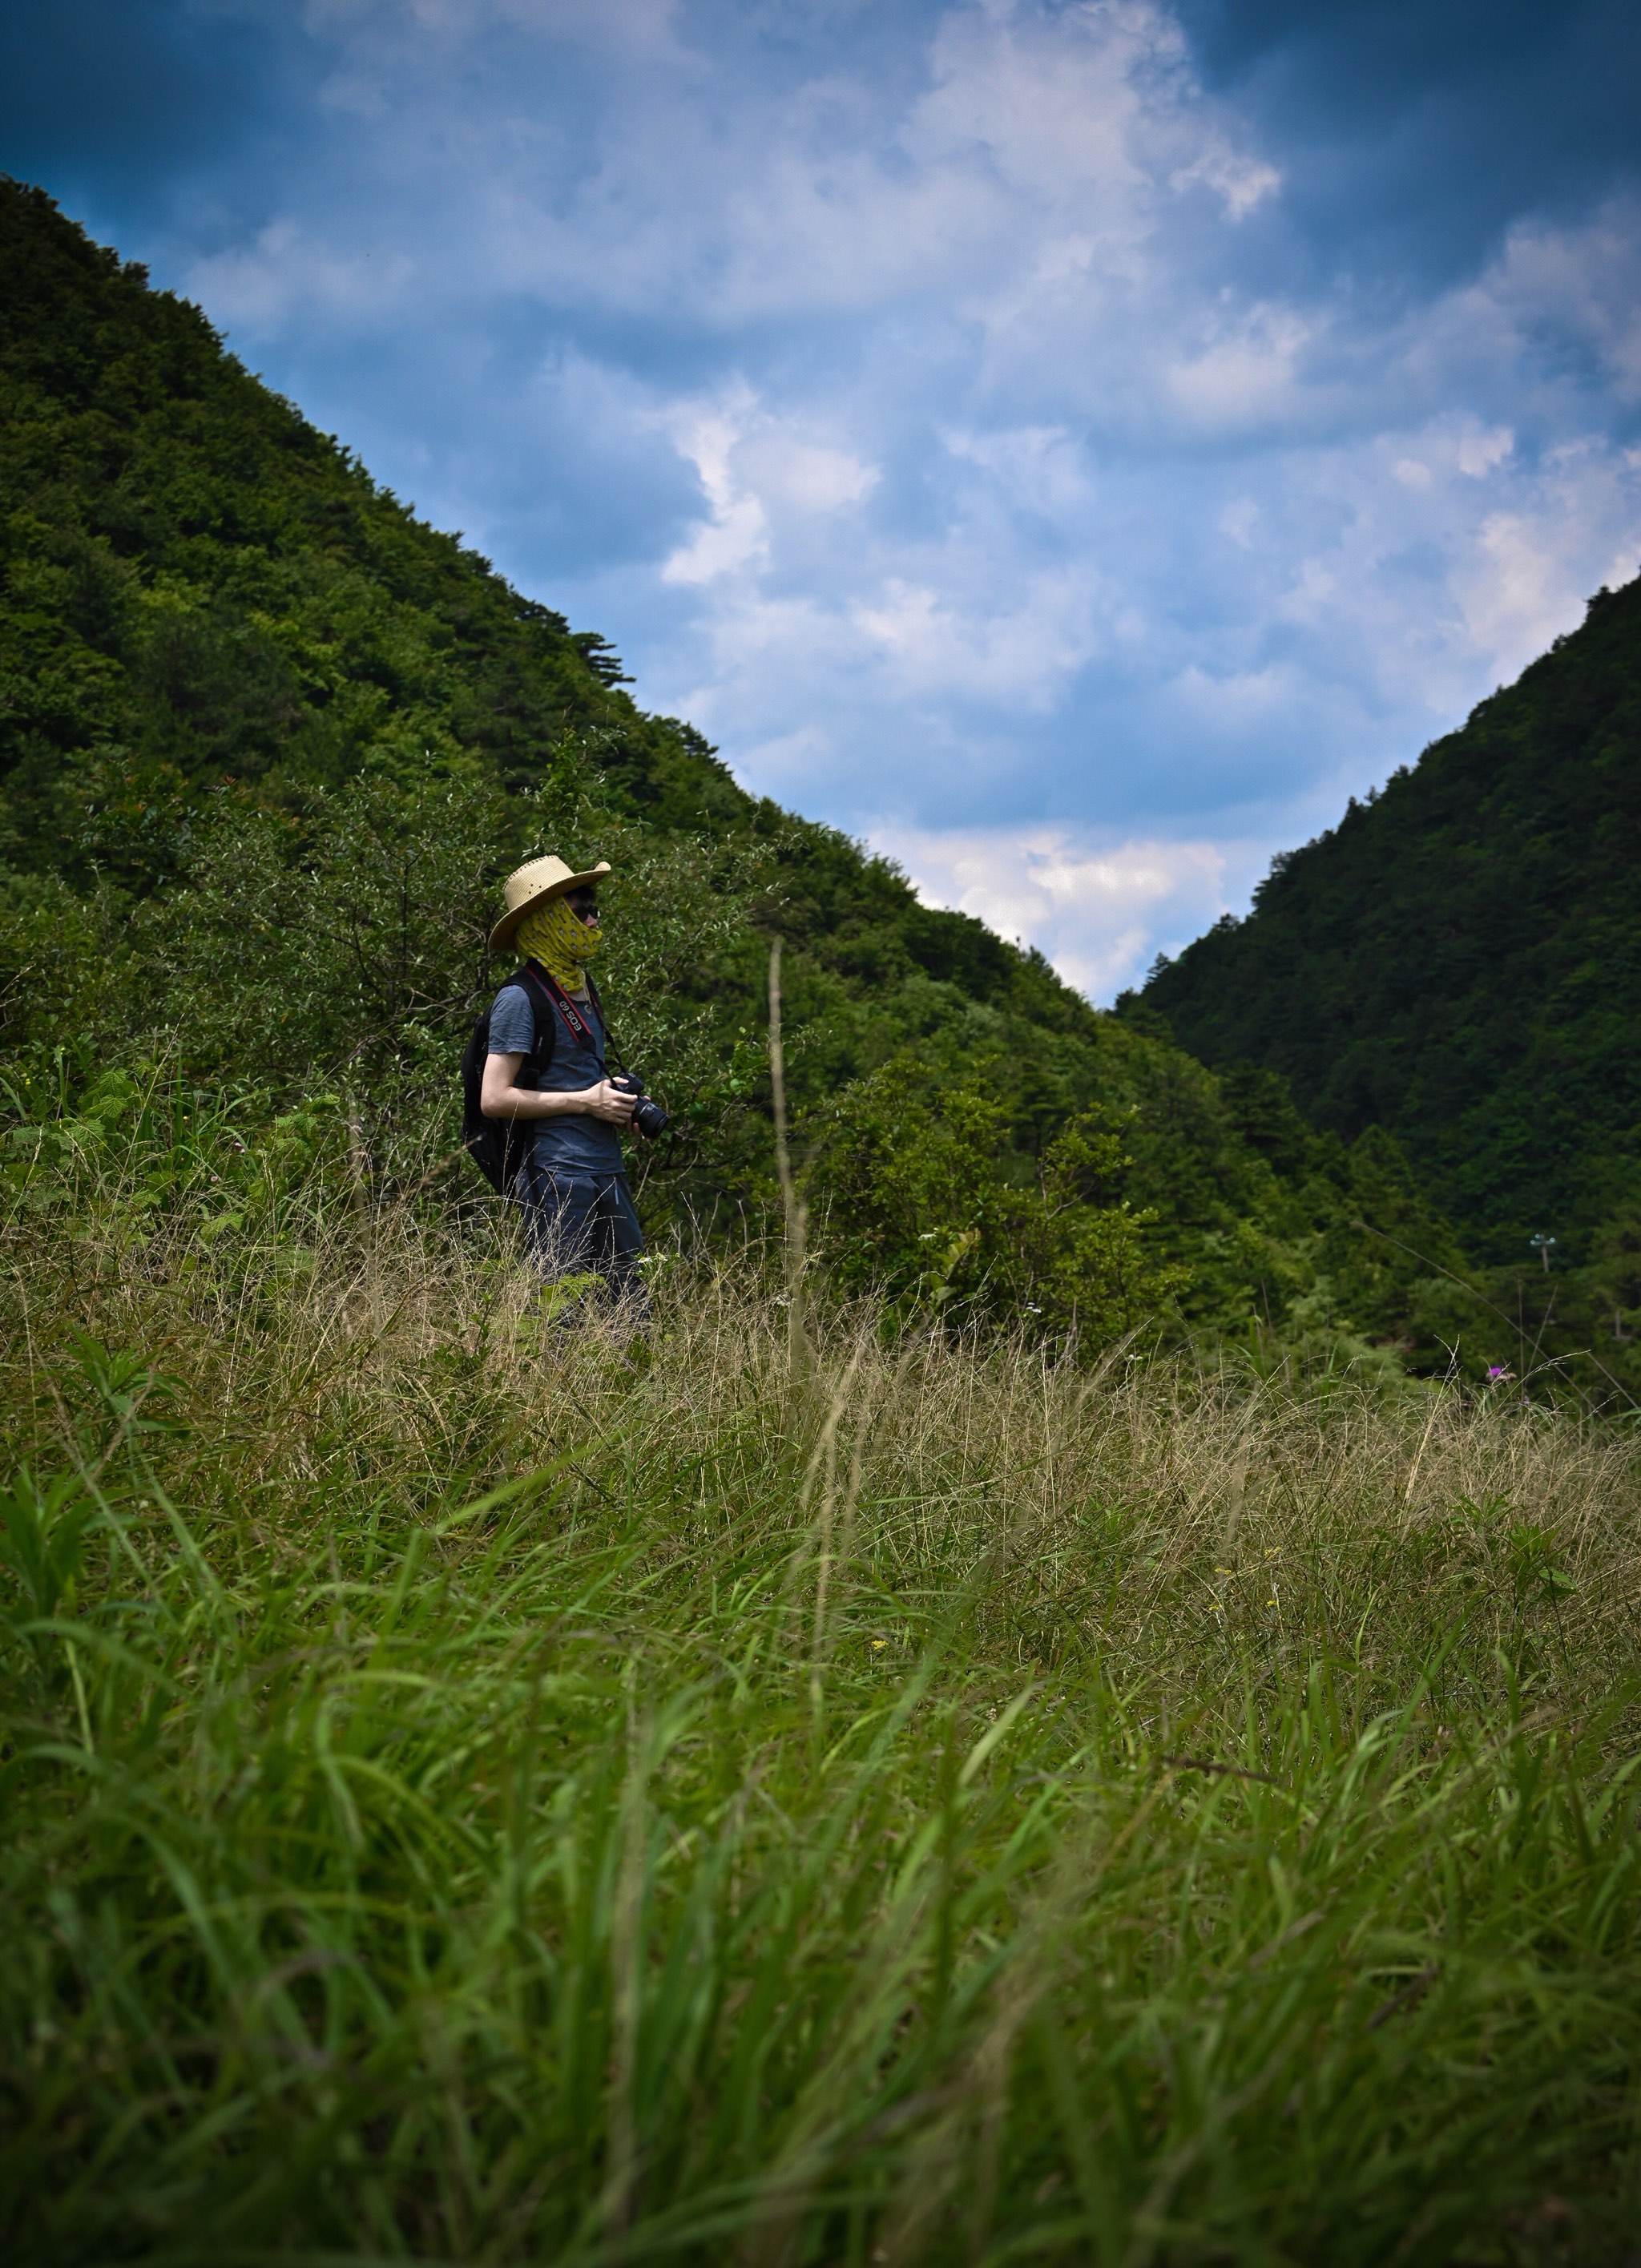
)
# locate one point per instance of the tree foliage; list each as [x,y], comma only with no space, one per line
[1457,963]
[918,1203]
[1458,960]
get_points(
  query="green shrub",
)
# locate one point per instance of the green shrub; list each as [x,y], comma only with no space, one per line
[914,1201]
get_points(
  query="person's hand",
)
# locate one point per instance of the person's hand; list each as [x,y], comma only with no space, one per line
[607,1100]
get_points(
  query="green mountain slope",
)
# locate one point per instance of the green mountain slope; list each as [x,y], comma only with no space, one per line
[1460,960]
[199,583]
[199,586]
[268,742]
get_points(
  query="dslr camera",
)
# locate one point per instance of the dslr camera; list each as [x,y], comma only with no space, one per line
[647,1113]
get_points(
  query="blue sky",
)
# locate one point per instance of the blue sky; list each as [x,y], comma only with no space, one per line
[1072,447]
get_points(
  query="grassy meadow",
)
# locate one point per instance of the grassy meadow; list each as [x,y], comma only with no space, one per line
[479,1788]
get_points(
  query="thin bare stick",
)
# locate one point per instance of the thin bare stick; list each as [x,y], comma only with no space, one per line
[792,1205]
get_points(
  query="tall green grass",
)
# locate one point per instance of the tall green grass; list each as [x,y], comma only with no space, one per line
[480,1790]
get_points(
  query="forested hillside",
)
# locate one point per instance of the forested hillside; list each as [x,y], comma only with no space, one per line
[1459,961]
[268,742]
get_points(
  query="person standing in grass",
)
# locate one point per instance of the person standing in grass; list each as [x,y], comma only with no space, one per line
[545,1065]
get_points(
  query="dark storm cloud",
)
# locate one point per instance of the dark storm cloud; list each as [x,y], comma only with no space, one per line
[112,100]
[1414,132]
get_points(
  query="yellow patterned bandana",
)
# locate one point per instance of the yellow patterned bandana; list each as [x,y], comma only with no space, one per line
[560,940]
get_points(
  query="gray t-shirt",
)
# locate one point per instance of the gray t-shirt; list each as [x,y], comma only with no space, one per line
[575,1143]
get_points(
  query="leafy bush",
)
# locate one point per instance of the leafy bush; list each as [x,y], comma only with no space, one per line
[916,1204]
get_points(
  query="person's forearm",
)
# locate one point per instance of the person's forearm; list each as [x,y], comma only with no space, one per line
[532,1102]
[500,1096]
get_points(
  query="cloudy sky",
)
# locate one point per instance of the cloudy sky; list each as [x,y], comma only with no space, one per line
[1072,444]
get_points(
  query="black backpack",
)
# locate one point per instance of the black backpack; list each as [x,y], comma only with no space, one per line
[498,1146]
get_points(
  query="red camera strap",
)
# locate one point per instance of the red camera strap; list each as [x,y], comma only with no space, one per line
[579,1025]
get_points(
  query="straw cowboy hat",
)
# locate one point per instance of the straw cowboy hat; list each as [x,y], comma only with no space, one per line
[532,886]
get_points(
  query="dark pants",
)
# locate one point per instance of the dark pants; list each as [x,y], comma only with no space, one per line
[582,1224]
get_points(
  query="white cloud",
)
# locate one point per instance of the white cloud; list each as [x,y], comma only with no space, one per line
[284,274]
[753,469]
[1449,558]
[1240,520]
[1040,469]
[1096,907]
[736,532]
[1045,145]
[1581,283]
[1242,183]
[1477,453]
[1525,576]
[1246,371]
[933,644]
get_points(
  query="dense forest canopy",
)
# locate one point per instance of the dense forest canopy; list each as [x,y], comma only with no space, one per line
[267,743]
[1459,961]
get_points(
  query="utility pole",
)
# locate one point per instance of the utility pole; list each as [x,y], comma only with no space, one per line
[1543,1246]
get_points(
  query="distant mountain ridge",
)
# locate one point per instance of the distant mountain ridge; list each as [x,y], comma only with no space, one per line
[1459,961]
